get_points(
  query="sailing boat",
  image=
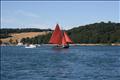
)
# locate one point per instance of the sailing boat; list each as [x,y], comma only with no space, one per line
[60,38]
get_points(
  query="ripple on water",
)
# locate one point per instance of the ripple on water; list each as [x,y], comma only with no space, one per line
[46,63]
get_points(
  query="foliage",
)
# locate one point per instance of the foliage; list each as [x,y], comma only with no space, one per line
[0,41]
[11,41]
[8,31]
[37,40]
[2,36]
[5,33]
[96,33]
[93,33]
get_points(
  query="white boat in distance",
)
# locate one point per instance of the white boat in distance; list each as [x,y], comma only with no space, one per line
[30,46]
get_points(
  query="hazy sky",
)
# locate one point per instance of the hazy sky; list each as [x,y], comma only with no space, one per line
[45,14]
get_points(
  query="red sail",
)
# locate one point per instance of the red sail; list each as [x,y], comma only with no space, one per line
[67,38]
[56,37]
[63,40]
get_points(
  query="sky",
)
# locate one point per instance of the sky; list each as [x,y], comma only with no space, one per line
[46,14]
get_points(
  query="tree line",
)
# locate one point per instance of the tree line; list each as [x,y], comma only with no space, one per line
[10,30]
[40,39]
[5,32]
[92,33]
[96,33]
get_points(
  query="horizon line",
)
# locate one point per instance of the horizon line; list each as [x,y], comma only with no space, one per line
[58,23]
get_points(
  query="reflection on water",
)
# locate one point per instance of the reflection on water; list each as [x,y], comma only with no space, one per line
[47,63]
[60,50]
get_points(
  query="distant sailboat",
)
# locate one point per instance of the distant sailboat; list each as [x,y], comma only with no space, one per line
[60,38]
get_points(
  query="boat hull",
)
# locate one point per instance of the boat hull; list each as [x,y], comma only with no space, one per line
[63,46]
[67,46]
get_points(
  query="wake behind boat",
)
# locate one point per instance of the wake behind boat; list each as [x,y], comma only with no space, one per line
[60,38]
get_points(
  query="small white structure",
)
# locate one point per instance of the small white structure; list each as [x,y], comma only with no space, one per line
[30,46]
[19,44]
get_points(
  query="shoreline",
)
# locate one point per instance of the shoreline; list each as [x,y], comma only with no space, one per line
[82,44]
[99,44]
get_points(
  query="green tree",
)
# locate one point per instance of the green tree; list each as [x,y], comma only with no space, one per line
[0,41]
[11,41]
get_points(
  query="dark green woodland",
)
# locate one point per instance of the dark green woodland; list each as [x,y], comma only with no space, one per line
[92,33]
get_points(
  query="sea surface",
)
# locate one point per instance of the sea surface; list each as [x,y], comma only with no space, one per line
[48,63]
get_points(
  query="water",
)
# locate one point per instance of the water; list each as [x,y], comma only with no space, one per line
[47,63]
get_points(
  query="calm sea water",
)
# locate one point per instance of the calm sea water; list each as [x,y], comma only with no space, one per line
[47,63]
